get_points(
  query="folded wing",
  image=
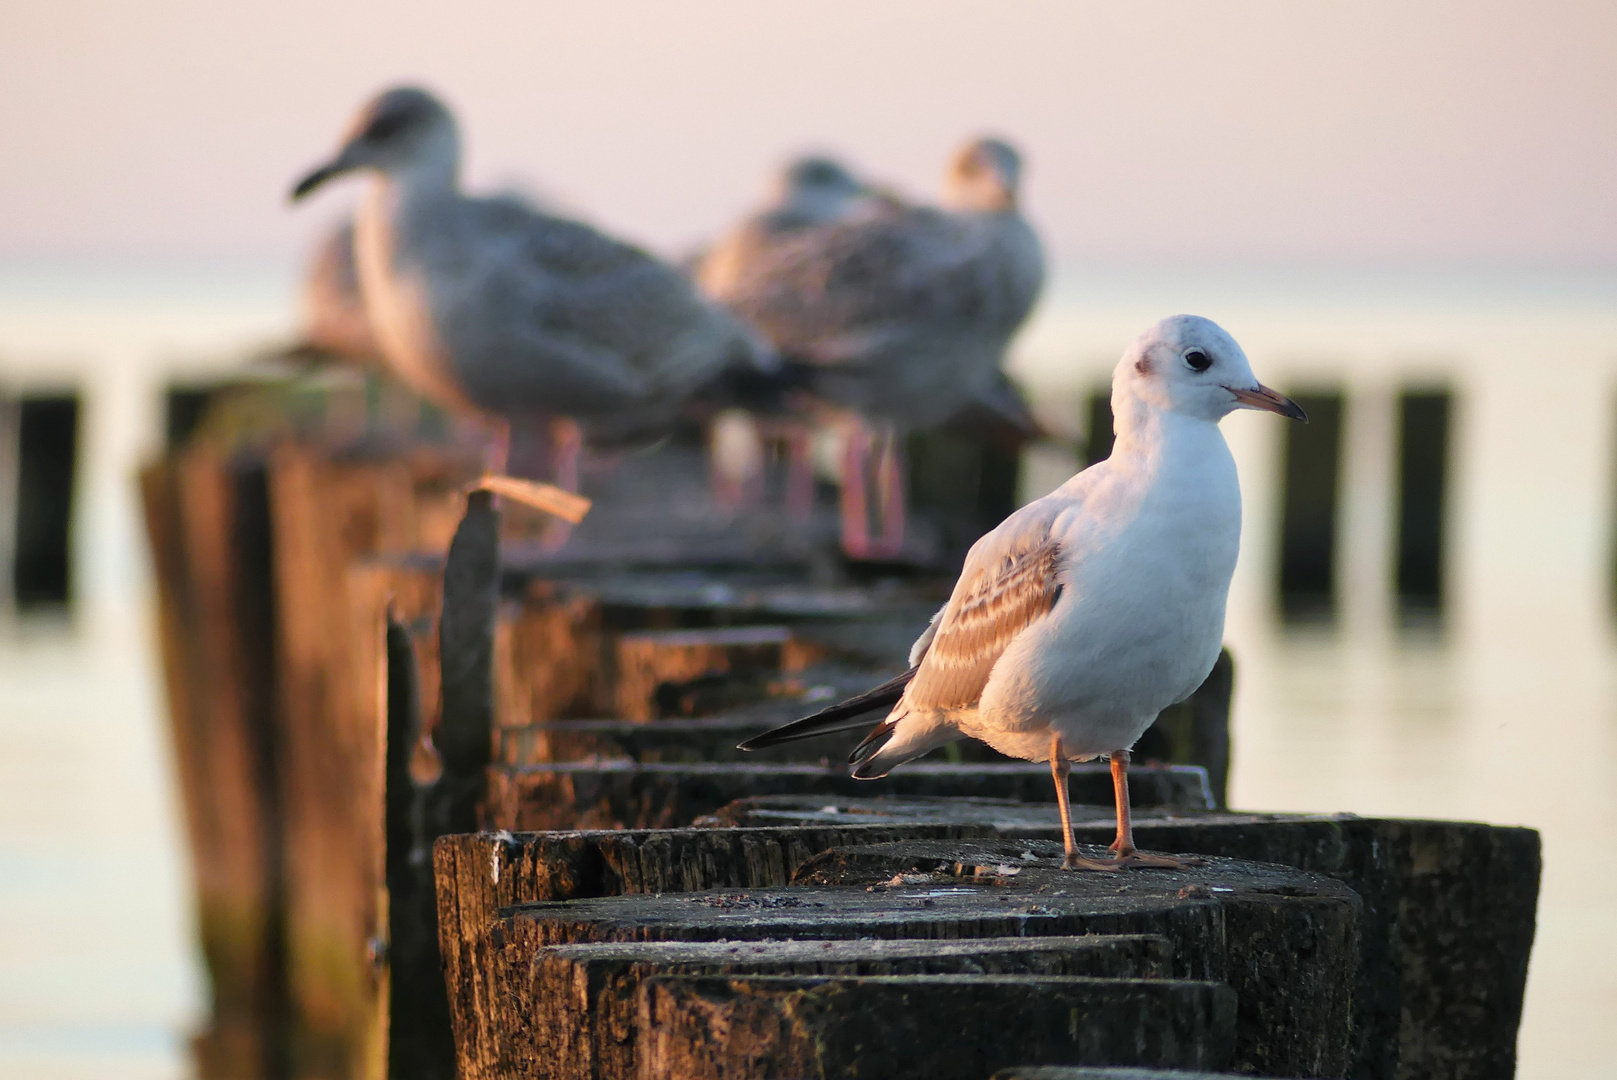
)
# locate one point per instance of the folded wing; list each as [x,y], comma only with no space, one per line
[1011,580]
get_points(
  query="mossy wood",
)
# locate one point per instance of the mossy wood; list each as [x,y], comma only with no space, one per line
[305,659]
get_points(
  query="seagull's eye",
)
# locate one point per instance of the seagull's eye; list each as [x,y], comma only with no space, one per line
[384,127]
[1198,360]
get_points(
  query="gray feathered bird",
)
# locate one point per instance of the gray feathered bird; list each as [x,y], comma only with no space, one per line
[488,305]
[811,190]
[900,314]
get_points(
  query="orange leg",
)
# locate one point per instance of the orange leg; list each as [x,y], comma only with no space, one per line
[1124,853]
[565,446]
[867,452]
[497,455]
[567,449]
[799,472]
[890,494]
[541,449]
[855,503]
[1123,849]
[1060,767]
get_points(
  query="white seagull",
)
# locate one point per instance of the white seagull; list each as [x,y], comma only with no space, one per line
[1087,612]
[488,305]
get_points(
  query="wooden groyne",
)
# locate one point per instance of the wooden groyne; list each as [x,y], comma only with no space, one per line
[1441,929]
[984,890]
[464,807]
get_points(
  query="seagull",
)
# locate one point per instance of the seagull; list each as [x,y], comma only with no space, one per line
[333,316]
[488,306]
[810,190]
[1089,611]
[898,314]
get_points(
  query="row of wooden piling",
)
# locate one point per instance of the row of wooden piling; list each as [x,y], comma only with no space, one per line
[389,739]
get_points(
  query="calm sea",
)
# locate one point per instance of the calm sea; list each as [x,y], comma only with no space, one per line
[1503,709]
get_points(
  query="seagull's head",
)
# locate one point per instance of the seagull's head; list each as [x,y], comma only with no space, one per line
[984,176]
[816,185]
[1187,364]
[400,131]
[816,173]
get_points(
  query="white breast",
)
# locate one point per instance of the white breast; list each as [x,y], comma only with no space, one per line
[396,302]
[1148,567]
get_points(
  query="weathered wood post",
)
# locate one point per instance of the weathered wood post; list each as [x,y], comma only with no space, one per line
[441,794]
[206,522]
[327,516]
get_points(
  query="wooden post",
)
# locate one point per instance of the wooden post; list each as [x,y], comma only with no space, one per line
[206,526]
[10,461]
[332,646]
[399,606]
[952,1027]
[654,671]
[548,656]
[478,875]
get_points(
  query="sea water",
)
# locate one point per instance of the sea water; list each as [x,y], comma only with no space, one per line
[1504,709]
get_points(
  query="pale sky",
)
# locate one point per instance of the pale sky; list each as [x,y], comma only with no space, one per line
[1371,132]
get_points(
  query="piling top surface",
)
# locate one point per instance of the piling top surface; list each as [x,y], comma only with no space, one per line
[1003,814]
[665,953]
[940,880]
[1103,1072]
[1035,866]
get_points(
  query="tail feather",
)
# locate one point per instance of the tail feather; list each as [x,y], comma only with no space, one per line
[872,743]
[842,716]
[902,737]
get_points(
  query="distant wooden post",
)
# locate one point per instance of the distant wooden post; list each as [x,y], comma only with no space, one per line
[206,526]
[332,644]
[437,790]
[10,459]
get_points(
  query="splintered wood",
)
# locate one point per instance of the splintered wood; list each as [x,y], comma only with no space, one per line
[567,505]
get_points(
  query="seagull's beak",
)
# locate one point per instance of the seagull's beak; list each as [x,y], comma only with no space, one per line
[338,165]
[1261,397]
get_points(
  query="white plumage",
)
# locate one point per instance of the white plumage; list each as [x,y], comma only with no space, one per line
[1087,612]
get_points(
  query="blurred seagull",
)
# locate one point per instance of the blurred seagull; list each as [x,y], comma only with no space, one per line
[333,316]
[811,190]
[1087,612]
[487,305]
[898,313]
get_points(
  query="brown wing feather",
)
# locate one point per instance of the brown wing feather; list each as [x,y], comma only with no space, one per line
[1001,602]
